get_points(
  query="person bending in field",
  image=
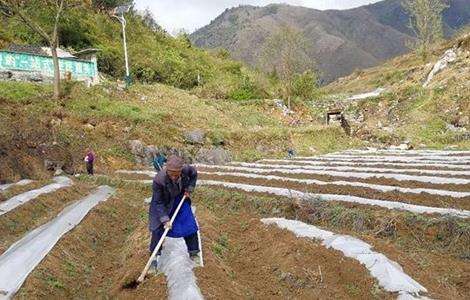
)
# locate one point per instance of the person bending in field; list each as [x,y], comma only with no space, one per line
[173,182]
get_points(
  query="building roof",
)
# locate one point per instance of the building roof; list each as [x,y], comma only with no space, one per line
[38,50]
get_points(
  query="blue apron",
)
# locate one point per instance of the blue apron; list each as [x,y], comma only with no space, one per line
[184,224]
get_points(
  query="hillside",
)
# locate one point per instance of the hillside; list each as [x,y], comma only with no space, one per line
[34,128]
[339,219]
[432,115]
[339,41]
[154,55]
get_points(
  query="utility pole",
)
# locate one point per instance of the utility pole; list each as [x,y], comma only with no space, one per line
[118,13]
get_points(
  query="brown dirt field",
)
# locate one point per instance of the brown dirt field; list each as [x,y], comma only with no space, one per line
[382,181]
[19,189]
[256,263]
[444,274]
[266,262]
[244,259]
[358,164]
[110,247]
[16,223]
[84,262]
[420,199]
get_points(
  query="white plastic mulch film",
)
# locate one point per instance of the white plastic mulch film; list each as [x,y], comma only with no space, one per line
[450,160]
[23,256]
[12,203]
[377,187]
[361,175]
[355,168]
[4,187]
[341,198]
[178,268]
[367,163]
[388,273]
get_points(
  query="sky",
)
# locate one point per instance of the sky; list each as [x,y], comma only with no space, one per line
[190,15]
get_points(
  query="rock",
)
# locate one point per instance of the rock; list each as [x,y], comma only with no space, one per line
[137,149]
[463,121]
[453,128]
[448,57]
[53,165]
[196,136]
[404,146]
[285,110]
[58,172]
[149,153]
[89,127]
[214,156]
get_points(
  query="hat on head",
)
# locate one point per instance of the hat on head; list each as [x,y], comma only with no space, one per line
[174,163]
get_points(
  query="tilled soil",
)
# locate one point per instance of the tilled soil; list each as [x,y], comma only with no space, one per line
[243,259]
[421,199]
[19,189]
[382,181]
[21,220]
[246,260]
[83,264]
[444,274]
[360,164]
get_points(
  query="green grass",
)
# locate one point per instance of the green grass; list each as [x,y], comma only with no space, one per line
[22,92]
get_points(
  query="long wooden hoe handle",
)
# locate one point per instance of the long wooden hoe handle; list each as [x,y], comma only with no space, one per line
[160,242]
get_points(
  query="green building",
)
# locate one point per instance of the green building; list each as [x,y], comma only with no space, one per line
[31,63]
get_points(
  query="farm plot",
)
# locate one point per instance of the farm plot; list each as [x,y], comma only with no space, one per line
[441,190]
[409,234]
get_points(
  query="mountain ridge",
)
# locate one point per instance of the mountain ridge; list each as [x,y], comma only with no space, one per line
[341,41]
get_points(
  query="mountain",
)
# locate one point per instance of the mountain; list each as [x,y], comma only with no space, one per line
[340,41]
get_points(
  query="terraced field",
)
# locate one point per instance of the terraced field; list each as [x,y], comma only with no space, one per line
[350,225]
[370,199]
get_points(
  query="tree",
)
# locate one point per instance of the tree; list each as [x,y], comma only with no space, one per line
[109,4]
[23,10]
[284,54]
[426,22]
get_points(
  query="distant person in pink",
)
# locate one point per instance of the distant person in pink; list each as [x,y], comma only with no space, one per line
[89,160]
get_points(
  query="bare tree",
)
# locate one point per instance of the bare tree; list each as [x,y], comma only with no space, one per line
[19,9]
[426,22]
[284,53]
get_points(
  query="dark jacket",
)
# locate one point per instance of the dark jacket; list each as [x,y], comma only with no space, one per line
[165,192]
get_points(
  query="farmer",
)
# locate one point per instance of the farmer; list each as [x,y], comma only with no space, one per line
[89,159]
[159,161]
[173,182]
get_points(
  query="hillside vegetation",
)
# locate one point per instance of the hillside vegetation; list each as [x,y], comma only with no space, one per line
[339,41]
[35,128]
[432,116]
[154,55]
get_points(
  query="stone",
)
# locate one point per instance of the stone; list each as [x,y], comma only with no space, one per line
[196,136]
[216,156]
[149,153]
[137,149]
[453,128]
[89,127]
[463,121]
[448,57]
[51,165]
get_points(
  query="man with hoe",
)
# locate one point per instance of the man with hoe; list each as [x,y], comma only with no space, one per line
[173,182]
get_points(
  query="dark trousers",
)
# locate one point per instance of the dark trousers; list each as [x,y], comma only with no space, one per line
[192,241]
[89,168]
